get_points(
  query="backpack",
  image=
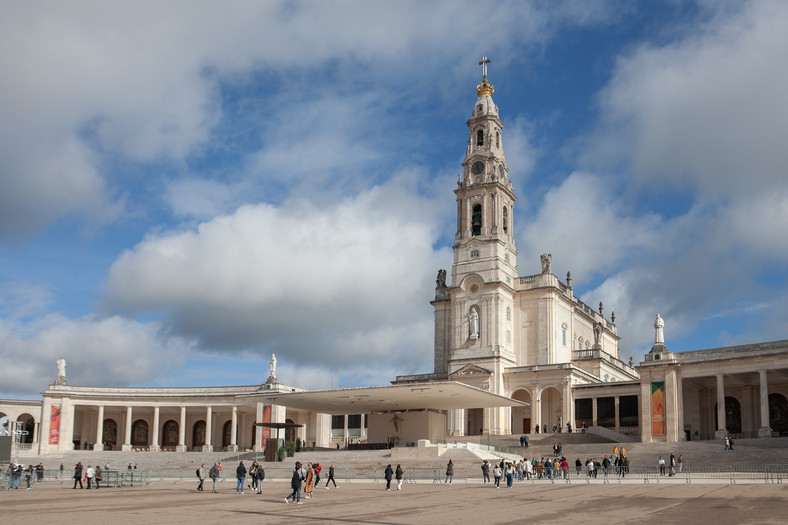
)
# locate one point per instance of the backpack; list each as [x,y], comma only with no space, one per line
[198,473]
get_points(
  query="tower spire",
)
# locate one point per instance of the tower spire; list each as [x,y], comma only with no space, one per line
[485,88]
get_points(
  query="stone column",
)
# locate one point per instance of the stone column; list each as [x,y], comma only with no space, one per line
[617,412]
[721,430]
[127,439]
[258,430]
[765,430]
[363,432]
[455,421]
[645,408]
[536,412]
[234,431]
[182,432]
[208,445]
[99,443]
[594,412]
[568,403]
[154,444]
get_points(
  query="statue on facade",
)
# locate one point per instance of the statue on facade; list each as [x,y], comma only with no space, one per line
[547,262]
[597,335]
[61,371]
[569,279]
[441,290]
[273,366]
[659,336]
[473,321]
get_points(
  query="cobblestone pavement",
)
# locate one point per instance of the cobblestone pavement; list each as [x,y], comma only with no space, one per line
[369,503]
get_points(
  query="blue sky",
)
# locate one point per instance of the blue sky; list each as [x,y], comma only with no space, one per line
[188,187]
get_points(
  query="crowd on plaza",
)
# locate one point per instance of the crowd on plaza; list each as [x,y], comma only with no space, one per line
[31,473]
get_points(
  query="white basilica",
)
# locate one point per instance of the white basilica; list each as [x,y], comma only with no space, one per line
[513,354]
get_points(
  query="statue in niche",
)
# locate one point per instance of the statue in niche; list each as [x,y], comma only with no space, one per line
[473,321]
[659,335]
[441,290]
[61,371]
[597,335]
[547,262]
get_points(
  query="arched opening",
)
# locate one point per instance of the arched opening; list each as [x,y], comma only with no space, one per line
[198,434]
[778,414]
[226,434]
[497,139]
[26,423]
[480,138]
[290,433]
[732,415]
[521,415]
[552,407]
[505,220]
[170,434]
[109,433]
[139,433]
[476,220]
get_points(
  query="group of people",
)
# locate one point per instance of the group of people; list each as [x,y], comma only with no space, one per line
[309,478]
[670,467]
[399,474]
[31,473]
[91,475]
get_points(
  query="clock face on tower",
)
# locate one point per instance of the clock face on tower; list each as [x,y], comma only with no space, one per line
[477,167]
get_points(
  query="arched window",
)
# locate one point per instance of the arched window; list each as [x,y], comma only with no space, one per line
[778,413]
[479,108]
[480,138]
[227,434]
[170,434]
[139,433]
[505,220]
[508,313]
[198,434]
[109,434]
[476,220]
[497,139]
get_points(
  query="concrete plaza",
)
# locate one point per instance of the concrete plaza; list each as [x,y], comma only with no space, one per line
[368,503]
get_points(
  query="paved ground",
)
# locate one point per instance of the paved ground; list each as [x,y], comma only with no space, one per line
[369,503]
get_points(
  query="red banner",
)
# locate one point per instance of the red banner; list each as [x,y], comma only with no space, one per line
[54,425]
[658,408]
[266,419]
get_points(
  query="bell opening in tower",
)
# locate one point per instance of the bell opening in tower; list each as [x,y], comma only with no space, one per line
[476,220]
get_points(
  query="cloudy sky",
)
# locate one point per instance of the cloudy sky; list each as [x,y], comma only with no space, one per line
[187,187]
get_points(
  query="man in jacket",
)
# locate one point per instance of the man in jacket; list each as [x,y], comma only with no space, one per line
[201,476]
[240,474]
[214,475]
[295,484]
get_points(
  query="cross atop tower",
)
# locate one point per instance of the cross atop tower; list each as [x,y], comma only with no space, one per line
[484,63]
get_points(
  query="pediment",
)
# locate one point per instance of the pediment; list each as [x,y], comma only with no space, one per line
[471,370]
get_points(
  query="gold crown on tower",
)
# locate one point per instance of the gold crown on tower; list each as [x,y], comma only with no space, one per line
[485,88]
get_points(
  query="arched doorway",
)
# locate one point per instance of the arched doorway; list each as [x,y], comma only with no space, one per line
[521,415]
[552,408]
[226,437]
[198,434]
[778,414]
[26,423]
[170,434]
[139,433]
[290,432]
[109,433]
[732,415]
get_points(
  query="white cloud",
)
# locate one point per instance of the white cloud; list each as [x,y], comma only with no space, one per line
[98,352]
[296,279]
[705,113]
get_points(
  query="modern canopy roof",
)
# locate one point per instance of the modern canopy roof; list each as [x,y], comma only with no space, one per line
[445,395]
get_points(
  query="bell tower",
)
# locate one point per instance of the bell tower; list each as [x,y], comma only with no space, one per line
[474,316]
[484,242]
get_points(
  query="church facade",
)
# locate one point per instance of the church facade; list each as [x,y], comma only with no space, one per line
[527,338]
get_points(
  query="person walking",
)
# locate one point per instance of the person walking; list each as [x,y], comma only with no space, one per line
[331,479]
[240,474]
[310,480]
[98,476]
[449,473]
[485,471]
[260,476]
[295,484]
[497,472]
[399,474]
[388,474]
[680,461]
[78,475]
[29,475]
[214,475]
[201,477]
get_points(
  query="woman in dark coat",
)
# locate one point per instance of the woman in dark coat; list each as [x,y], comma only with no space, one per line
[295,484]
[389,473]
